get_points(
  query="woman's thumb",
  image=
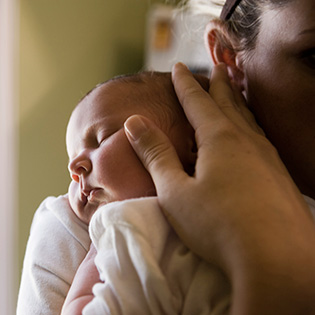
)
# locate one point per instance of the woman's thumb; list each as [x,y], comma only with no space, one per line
[154,149]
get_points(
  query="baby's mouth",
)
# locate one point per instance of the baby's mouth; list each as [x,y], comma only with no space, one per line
[93,195]
[90,195]
[84,199]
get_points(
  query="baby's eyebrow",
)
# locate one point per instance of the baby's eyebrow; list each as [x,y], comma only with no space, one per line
[87,131]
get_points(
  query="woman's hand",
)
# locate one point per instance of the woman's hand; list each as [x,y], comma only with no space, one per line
[241,210]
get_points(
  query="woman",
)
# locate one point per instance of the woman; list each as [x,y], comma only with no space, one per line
[243,209]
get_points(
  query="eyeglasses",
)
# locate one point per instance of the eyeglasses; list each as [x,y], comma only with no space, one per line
[228,9]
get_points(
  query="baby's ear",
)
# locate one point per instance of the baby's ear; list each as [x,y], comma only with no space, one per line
[222,49]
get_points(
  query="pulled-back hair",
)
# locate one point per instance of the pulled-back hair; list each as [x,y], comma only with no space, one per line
[244,23]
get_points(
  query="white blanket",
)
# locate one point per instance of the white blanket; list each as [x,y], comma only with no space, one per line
[59,242]
[57,245]
[145,267]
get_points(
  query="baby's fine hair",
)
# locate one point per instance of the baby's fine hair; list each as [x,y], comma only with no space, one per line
[156,92]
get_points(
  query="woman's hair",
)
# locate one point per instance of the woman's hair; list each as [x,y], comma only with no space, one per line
[243,25]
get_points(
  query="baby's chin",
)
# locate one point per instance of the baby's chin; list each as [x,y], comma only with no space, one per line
[84,211]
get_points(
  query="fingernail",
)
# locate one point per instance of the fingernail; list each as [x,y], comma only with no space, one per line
[183,65]
[180,64]
[135,126]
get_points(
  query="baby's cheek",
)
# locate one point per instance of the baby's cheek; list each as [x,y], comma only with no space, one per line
[74,196]
[121,172]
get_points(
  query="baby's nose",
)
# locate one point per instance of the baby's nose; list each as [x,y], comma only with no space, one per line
[79,166]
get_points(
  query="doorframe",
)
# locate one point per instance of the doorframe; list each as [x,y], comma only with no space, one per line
[9,91]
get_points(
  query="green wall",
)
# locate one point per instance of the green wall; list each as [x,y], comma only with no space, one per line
[66,48]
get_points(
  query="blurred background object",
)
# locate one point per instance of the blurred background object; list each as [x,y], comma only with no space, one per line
[172,35]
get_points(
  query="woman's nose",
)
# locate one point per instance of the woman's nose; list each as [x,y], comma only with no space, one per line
[78,166]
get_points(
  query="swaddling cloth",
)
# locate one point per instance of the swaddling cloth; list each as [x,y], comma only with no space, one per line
[145,267]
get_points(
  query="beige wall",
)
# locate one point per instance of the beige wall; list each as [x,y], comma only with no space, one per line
[66,48]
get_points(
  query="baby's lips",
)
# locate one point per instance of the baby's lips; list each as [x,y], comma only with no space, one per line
[94,195]
[84,199]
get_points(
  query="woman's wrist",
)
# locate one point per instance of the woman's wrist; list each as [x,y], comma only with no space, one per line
[273,272]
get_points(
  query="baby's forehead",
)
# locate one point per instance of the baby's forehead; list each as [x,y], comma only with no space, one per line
[113,89]
[95,97]
[113,95]
[128,92]
[150,94]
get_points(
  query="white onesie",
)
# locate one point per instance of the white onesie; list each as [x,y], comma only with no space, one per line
[145,267]
[57,244]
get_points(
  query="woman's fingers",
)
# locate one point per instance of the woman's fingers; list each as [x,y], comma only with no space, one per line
[155,151]
[198,105]
[221,89]
[230,100]
[246,113]
[211,109]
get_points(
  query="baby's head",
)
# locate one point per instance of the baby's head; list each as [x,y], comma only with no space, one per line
[102,163]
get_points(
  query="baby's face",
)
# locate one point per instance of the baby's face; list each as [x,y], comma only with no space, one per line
[102,163]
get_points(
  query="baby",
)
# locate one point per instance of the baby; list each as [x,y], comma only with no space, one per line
[100,156]
[142,265]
